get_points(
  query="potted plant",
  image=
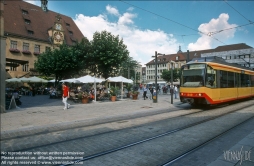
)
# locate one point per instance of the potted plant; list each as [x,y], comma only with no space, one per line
[113,92]
[83,96]
[134,94]
[129,86]
[26,52]
[15,50]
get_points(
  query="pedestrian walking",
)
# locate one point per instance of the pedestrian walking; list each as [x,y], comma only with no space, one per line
[66,95]
[176,91]
[151,92]
[144,92]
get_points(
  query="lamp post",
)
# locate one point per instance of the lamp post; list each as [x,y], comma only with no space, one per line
[136,68]
[172,90]
[156,75]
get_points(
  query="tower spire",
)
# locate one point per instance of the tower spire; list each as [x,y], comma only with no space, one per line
[44,5]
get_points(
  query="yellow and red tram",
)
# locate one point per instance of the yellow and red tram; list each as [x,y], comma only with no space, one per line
[212,81]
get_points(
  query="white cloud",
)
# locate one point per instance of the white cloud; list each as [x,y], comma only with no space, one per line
[112,10]
[141,44]
[34,2]
[215,25]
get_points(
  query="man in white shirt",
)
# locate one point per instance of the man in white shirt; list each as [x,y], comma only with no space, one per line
[175,91]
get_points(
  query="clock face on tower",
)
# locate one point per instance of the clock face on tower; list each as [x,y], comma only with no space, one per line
[58,36]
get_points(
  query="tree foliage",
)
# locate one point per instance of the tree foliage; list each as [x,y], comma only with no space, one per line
[108,53]
[166,75]
[63,61]
[105,55]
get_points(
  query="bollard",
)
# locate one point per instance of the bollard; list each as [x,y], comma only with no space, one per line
[154,97]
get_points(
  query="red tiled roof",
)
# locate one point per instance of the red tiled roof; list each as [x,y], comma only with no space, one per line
[41,22]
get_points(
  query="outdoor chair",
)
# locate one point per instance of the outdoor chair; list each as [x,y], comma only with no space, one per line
[73,97]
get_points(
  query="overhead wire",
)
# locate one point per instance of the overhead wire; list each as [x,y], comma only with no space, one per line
[172,21]
[238,12]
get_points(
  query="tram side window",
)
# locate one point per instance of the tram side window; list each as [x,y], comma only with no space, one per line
[211,77]
[252,80]
[237,80]
[245,80]
[223,79]
[231,79]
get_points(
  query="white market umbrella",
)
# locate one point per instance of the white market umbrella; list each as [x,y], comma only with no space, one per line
[36,79]
[120,79]
[13,80]
[71,80]
[90,79]
[24,79]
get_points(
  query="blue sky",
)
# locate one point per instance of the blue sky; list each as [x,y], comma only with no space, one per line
[149,26]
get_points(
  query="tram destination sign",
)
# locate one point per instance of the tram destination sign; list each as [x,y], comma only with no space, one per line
[197,66]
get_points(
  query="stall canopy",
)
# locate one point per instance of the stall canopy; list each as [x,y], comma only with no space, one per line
[33,79]
[89,79]
[13,80]
[120,79]
[71,80]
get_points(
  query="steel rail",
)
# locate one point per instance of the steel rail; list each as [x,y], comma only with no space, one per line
[171,161]
[149,139]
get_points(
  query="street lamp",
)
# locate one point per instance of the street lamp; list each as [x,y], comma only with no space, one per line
[172,90]
[156,54]
[136,68]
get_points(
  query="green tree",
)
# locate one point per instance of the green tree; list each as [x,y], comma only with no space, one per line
[108,53]
[166,75]
[64,61]
[128,67]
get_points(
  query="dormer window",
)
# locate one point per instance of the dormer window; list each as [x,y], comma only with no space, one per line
[67,24]
[25,12]
[30,32]
[27,21]
[70,32]
[177,58]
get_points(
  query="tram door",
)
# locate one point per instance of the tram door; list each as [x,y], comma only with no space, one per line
[237,83]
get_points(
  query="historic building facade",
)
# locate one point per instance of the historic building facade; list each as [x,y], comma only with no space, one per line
[30,30]
[236,53]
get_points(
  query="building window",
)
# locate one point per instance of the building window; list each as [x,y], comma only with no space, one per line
[14,44]
[25,12]
[25,67]
[13,66]
[30,32]
[27,21]
[177,58]
[25,46]
[67,24]
[70,32]
[37,48]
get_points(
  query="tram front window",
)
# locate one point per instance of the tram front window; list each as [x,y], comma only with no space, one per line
[193,75]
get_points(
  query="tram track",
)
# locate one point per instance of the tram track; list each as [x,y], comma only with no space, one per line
[53,138]
[85,158]
[179,157]
[111,149]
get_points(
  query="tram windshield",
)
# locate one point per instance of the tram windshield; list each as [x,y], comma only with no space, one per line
[193,75]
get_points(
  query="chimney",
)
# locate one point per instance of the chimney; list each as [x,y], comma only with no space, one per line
[188,56]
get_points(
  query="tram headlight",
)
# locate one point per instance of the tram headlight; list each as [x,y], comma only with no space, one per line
[200,94]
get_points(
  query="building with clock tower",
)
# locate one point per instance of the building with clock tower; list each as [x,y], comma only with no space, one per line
[29,30]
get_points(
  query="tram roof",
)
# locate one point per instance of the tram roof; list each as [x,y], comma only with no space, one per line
[218,60]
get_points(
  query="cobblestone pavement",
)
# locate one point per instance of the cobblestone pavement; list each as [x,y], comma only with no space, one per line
[40,113]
